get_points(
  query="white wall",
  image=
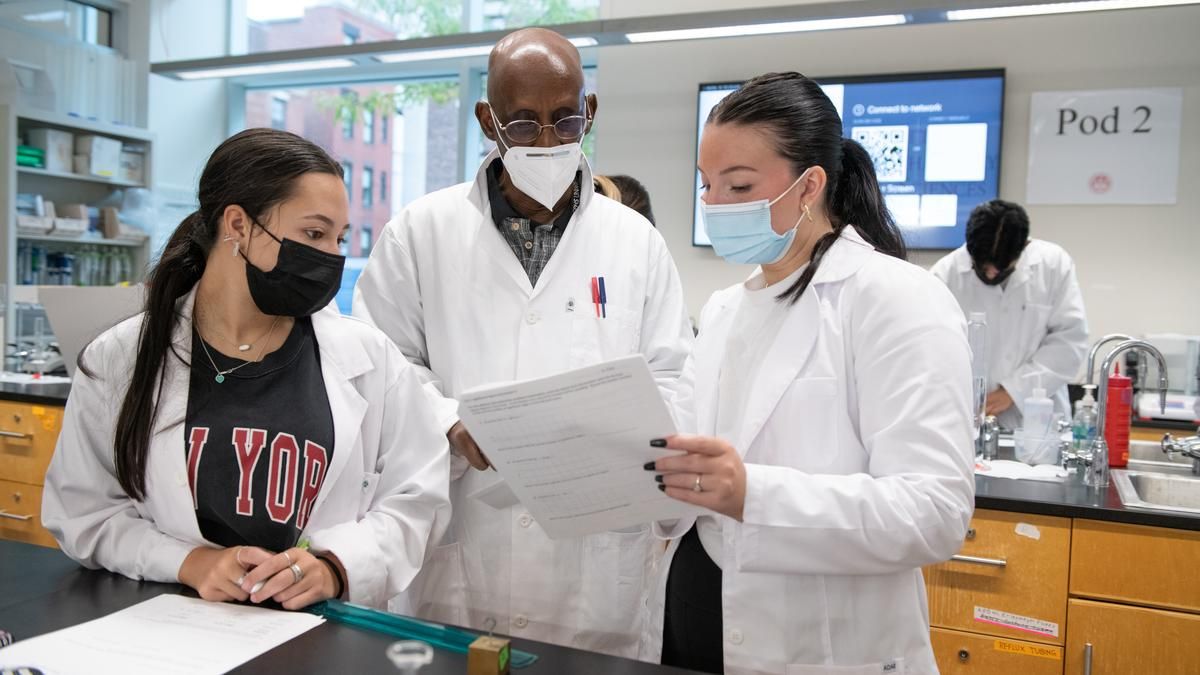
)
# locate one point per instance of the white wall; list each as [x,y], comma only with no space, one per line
[1139,266]
[188,118]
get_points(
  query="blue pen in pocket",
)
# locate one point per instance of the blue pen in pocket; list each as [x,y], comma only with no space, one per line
[603,300]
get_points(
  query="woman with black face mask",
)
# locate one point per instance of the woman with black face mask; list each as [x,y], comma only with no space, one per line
[240,436]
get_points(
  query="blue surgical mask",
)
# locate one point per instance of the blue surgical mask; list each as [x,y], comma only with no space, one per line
[742,233]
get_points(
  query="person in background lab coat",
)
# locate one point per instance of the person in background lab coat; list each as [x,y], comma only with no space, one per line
[181,461]
[1036,326]
[829,408]
[492,281]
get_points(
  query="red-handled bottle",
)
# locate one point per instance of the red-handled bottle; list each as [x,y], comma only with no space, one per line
[1117,416]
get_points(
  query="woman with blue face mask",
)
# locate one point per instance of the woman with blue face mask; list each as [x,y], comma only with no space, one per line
[827,405]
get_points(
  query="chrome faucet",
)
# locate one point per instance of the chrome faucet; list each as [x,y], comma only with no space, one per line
[1188,447]
[1091,361]
[1093,462]
[987,444]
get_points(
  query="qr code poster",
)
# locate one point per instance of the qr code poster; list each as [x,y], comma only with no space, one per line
[888,148]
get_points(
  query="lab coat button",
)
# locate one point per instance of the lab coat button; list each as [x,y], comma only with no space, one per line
[532,318]
[735,636]
[520,621]
[525,520]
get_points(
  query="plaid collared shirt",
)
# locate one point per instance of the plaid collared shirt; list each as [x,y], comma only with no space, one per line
[533,244]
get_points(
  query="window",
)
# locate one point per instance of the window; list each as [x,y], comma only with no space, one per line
[364,241]
[383,125]
[420,156]
[368,125]
[278,112]
[348,178]
[348,97]
[74,20]
[259,26]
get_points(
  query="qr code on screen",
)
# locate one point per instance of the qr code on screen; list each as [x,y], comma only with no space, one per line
[888,148]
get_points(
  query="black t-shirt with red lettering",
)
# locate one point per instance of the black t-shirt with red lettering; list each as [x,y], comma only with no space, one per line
[258,444]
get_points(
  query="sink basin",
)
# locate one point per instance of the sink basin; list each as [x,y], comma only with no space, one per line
[1158,490]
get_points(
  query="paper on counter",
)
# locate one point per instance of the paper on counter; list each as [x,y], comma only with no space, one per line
[571,446]
[166,634]
[1003,468]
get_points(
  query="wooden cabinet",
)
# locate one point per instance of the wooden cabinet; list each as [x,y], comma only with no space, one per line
[1126,639]
[960,653]
[1136,564]
[28,434]
[21,514]
[1010,579]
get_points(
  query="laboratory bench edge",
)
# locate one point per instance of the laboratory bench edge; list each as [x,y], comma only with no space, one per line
[42,590]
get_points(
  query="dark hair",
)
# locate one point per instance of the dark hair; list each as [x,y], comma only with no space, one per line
[807,130]
[634,195]
[256,170]
[997,232]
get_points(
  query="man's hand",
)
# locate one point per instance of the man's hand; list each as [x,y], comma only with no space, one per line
[464,446]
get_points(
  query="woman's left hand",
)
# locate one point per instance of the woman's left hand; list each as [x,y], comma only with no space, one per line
[281,582]
[711,474]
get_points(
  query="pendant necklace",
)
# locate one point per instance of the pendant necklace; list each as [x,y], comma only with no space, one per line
[222,373]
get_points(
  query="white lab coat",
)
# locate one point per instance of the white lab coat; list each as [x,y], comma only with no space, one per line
[858,454]
[1035,324]
[376,510]
[443,283]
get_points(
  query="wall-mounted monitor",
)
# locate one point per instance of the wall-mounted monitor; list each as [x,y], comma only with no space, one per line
[934,139]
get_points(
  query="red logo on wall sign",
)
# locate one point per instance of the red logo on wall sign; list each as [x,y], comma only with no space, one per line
[1100,183]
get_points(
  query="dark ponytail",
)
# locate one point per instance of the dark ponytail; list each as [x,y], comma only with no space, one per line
[256,170]
[807,131]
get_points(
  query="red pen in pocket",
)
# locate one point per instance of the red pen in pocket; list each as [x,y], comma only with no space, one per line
[596,295]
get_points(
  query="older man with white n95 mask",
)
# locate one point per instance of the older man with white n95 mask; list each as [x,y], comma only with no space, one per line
[495,280]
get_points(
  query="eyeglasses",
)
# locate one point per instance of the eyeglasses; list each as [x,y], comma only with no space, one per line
[528,131]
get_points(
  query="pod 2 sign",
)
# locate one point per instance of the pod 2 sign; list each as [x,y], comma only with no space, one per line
[1115,146]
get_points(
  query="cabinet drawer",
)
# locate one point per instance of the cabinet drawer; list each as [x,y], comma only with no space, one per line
[960,653]
[28,434]
[1127,640]
[1136,564]
[1010,580]
[21,514]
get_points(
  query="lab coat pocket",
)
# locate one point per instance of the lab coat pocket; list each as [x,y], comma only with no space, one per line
[442,592]
[616,567]
[597,339]
[1035,320]
[370,483]
[893,667]
[802,430]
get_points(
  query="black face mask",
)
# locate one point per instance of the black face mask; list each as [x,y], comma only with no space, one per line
[303,282]
[996,280]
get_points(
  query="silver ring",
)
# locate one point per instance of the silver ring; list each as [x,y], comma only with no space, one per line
[297,573]
[240,580]
[696,487]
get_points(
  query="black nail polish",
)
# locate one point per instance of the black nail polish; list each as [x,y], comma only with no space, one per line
[649,466]
[658,478]
[662,487]
[658,443]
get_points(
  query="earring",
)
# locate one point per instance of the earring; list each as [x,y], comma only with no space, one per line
[236,247]
[807,214]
